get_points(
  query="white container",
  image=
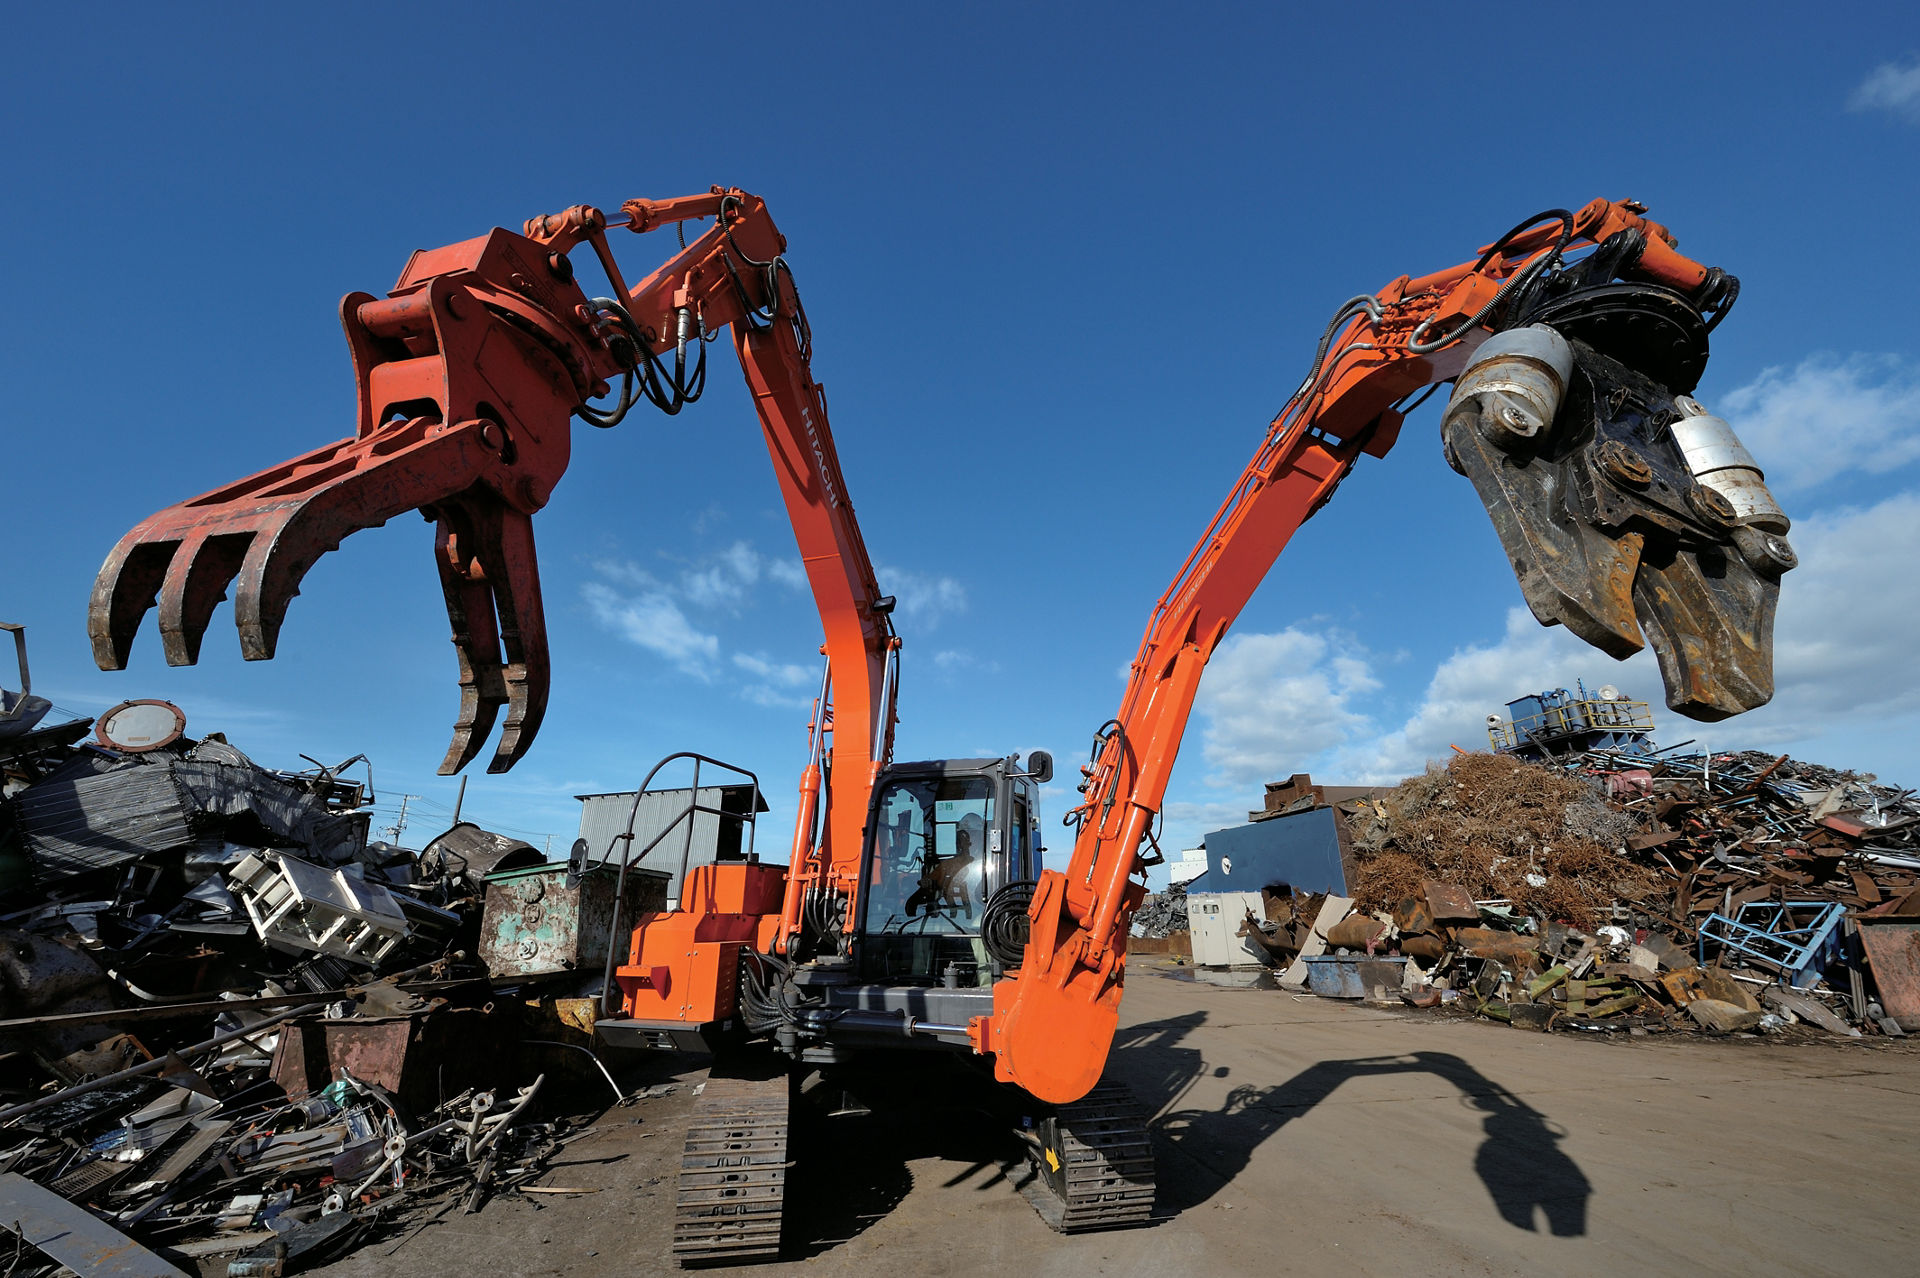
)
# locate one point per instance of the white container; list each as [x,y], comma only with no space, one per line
[298,906]
[1214,918]
[1190,864]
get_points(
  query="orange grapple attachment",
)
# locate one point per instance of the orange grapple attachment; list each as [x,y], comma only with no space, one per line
[468,374]
[261,535]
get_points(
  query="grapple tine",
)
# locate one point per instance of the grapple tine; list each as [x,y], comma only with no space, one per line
[515,571]
[491,579]
[476,639]
[123,592]
[196,582]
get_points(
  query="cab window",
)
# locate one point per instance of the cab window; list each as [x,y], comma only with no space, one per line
[928,873]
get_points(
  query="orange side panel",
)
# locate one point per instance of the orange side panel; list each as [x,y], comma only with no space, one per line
[735,887]
[684,965]
[676,974]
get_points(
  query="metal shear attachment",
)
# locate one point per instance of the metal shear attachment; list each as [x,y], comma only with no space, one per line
[1629,513]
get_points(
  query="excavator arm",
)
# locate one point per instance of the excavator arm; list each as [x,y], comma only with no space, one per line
[1629,514]
[466,375]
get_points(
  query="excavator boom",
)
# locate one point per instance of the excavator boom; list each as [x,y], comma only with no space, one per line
[467,374]
[1625,514]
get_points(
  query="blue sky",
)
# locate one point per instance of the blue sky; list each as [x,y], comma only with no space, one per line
[1062,264]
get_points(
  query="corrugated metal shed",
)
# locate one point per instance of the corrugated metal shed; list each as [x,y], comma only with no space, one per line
[603,818]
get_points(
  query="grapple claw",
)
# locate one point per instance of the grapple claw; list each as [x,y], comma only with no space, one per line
[467,376]
[491,579]
[266,531]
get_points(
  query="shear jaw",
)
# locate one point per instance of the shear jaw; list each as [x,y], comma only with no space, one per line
[1613,536]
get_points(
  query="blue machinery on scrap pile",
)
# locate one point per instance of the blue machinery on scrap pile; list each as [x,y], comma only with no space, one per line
[1558,724]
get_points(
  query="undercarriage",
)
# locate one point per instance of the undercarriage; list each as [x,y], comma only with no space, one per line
[1084,1166]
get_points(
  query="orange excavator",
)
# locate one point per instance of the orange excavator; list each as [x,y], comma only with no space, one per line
[913,921]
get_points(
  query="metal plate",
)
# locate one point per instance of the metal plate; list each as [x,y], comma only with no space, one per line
[1893,951]
[74,1237]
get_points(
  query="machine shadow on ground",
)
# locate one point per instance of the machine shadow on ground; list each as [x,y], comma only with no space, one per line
[856,1137]
[1200,1151]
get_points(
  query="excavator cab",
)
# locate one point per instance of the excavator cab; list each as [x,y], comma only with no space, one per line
[947,838]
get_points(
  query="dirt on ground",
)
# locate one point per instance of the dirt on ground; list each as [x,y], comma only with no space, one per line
[1294,1135]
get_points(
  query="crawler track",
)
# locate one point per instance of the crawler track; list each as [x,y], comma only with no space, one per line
[1094,1164]
[733,1173]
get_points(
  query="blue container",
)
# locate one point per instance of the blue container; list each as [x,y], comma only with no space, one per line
[1351,975]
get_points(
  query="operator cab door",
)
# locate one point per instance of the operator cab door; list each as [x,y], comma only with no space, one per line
[937,852]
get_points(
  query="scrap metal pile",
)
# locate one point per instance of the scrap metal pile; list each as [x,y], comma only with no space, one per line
[1162,913]
[1720,892]
[231,1026]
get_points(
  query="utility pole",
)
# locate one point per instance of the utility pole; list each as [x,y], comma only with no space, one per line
[460,799]
[400,824]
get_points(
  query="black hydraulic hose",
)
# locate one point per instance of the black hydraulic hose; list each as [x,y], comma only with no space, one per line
[1004,923]
[1729,293]
[1522,279]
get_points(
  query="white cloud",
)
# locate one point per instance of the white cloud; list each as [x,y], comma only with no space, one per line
[1843,643]
[654,614]
[1274,700]
[955,660]
[923,598]
[1827,416]
[790,573]
[725,579]
[626,573]
[777,684]
[1479,680]
[1890,88]
[786,674]
[762,694]
[654,621]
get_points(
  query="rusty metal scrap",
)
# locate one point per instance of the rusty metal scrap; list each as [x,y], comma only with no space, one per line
[1615,891]
[282,1083]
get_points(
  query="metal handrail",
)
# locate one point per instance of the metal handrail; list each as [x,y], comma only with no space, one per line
[686,849]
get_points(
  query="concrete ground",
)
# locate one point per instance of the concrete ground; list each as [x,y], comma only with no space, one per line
[1301,1136]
